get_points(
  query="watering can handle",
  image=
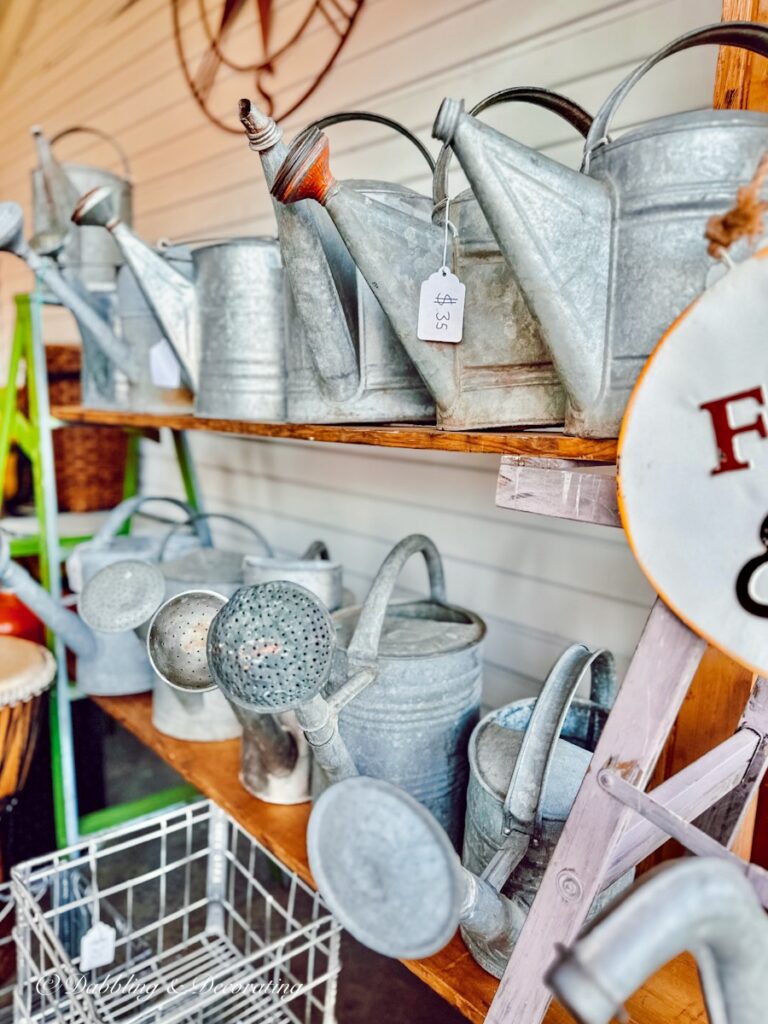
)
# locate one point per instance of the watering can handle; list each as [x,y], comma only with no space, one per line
[317,552]
[121,513]
[102,135]
[545,98]
[364,115]
[197,516]
[523,802]
[744,34]
[364,646]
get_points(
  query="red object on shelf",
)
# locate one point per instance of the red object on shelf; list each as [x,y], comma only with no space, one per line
[17,620]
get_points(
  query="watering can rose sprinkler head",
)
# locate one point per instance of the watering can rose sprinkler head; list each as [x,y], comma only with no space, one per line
[306,172]
[389,873]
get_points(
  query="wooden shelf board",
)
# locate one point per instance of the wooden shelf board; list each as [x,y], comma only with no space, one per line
[672,994]
[540,444]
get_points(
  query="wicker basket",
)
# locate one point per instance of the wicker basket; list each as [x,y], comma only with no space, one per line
[89,460]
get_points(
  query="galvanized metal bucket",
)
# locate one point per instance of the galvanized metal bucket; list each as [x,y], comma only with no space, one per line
[121,665]
[411,726]
[609,257]
[202,717]
[344,362]
[314,570]
[527,761]
[91,255]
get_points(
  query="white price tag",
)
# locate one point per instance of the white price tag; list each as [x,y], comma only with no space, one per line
[164,367]
[441,307]
[97,946]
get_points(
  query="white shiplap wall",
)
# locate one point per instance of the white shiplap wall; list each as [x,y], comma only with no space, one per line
[112,64]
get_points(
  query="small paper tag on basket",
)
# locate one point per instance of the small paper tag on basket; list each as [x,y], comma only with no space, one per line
[97,946]
[441,307]
[164,367]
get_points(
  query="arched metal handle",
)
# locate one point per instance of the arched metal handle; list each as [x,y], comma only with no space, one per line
[525,795]
[121,513]
[105,136]
[364,646]
[545,98]
[364,115]
[746,35]
[268,549]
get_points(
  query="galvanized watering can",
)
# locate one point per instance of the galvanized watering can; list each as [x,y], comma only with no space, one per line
[344,361]
[89,254]
[607,258]
[225,319]
[500,373]
[702,905]
[385,689]
[122,666]
[125,600]
[371,846]
[94,313]
[315,570]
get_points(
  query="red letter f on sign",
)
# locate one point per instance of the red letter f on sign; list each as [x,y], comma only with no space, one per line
[725,433]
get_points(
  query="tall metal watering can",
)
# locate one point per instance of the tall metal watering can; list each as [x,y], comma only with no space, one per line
[385,689]
[89,254]
[345,363]
[225,320]
[500,373]
[371,846]
[608,257]
[127,599]
[124,651]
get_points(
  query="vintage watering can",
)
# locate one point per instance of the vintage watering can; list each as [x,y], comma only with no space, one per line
[701,905]
[499,374]
[405,891]
[89,254]
[344,362]
[225,320]
[91,312]
[274,648]
[315,570]
[608,257]
[125,601]
[107,546]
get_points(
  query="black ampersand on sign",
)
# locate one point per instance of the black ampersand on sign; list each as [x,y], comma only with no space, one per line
[747,602]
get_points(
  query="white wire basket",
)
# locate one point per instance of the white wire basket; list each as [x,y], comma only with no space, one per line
[208,927]
[7,954]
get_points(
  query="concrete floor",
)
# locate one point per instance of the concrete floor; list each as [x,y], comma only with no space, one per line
[372,989]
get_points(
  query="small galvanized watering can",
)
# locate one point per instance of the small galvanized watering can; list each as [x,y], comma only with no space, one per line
[314,570]
[225,319]
[386,689]
[124,651]
[124,601]
[364,830]
[500,373]
[345,363]
[607,258]
[89,254]
[92,312]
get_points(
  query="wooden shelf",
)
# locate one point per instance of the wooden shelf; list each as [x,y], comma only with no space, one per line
[671,995]
[535,444]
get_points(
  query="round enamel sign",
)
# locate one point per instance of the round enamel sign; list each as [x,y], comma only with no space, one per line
[693,465]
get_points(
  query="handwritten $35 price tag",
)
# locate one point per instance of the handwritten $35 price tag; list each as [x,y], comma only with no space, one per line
[441,307]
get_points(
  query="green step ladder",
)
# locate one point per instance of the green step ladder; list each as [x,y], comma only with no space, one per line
[32,434]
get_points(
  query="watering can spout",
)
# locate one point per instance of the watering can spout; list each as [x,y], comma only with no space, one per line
[394,251]
[306,242]
[72,630]
[58,193]
[169,294]
[553,226]
[47,244]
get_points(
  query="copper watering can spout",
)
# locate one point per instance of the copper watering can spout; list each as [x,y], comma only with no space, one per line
[553,226]
[170,296]
[48,243]
[305,246]
[701,904]
[130,605]
[394,251]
